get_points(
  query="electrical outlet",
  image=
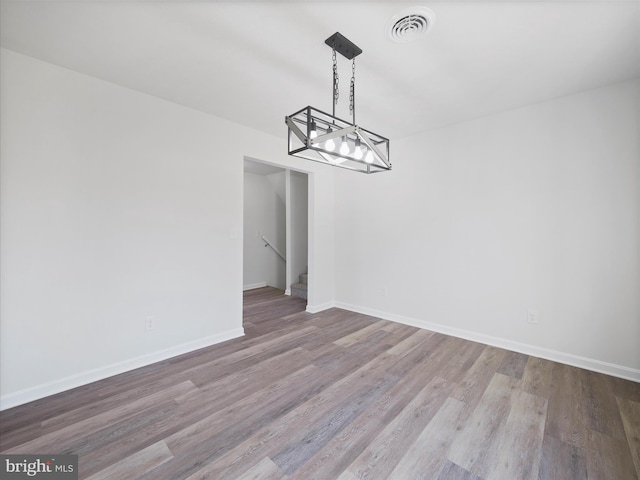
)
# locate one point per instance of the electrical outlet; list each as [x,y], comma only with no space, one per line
[149,323]
[532,316]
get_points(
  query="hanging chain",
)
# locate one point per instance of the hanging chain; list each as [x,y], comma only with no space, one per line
[352,93]
[352,88]
[336,79]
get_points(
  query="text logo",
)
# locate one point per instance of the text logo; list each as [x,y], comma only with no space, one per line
[50,467]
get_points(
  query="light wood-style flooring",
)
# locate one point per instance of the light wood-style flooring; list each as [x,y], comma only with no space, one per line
[340,395]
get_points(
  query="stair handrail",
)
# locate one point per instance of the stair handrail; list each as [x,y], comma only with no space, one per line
[267,243]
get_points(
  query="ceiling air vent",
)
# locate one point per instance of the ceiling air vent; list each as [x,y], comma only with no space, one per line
[410,24]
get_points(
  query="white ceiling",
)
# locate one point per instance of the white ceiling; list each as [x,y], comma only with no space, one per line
[253,62]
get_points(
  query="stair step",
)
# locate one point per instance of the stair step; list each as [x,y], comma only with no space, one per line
[303,278]
[299,290]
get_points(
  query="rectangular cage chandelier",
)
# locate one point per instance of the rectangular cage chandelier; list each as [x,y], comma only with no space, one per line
[321,137]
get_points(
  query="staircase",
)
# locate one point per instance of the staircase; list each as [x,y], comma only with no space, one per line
[300,289]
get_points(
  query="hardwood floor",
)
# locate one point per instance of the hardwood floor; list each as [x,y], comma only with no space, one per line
[340,395]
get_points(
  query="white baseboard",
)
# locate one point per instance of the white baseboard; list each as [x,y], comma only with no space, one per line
[51,388]
[554,355]
[287,292]
[253,286]
[321,307]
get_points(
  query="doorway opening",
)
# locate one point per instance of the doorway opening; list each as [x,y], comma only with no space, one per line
[276,228]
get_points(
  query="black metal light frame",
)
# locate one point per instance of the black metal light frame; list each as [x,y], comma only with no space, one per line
[310,131]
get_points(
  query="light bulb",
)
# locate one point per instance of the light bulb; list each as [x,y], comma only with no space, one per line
[330,145]
[357,153]
[369,157]
[314,132]
[344,147]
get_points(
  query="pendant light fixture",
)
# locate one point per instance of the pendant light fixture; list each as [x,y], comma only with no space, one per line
[318,136]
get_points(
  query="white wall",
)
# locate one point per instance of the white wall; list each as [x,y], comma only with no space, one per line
[299,222]
[116,206]
[535,208]
[264,215]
